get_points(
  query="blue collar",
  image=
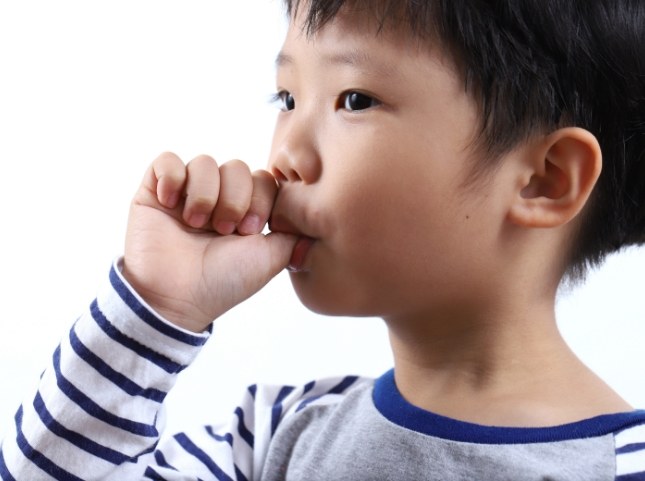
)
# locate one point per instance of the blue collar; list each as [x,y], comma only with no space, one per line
[391,404]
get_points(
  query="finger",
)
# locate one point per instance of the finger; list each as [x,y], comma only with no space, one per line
[165,179]
[236,188]
[265,189]
[281,248]
[202,190]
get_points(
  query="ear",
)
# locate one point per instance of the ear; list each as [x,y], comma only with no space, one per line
[561,172]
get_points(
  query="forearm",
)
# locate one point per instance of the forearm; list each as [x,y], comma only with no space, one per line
[96,412]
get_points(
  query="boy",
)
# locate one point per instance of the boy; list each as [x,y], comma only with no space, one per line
[437,164]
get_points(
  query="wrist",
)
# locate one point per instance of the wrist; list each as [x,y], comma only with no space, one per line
[175,312]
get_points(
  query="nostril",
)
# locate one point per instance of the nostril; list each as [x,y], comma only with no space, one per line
[293,175]
[285,175]
[279,176]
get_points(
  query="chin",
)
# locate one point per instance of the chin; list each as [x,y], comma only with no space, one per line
[331,300]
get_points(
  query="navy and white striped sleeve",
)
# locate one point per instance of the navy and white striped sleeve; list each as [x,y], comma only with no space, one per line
[237,450]
[630,454]
[97,413]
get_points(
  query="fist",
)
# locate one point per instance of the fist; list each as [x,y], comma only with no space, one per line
[194,244]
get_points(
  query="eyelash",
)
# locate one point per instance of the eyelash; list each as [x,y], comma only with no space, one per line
[286,102]
[281,98]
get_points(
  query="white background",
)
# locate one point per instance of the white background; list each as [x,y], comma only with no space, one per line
[90,93]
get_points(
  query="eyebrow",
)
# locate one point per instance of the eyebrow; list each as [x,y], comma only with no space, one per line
[355,58]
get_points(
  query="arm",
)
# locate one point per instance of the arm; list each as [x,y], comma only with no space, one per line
[97,412]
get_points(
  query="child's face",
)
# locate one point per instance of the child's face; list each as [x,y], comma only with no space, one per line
[377,178]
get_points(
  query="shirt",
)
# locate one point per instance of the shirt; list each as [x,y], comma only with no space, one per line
[98,414]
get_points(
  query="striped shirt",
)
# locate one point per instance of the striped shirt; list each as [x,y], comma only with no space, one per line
[97,414]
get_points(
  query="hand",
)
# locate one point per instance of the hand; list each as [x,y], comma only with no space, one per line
[194,247]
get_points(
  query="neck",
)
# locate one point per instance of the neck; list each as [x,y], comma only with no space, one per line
[503,367]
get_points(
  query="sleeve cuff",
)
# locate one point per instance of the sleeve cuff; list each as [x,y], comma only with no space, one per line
[127,312]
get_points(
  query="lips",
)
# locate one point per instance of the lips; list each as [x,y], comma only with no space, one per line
[299,254]
[281,223]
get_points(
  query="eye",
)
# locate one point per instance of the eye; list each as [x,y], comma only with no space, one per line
[354,101]
[284,100]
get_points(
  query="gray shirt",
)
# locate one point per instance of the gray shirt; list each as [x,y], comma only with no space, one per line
[372,433]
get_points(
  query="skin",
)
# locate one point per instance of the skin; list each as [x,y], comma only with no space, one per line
[370,163]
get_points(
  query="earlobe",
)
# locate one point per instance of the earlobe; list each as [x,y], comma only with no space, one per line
[563,170]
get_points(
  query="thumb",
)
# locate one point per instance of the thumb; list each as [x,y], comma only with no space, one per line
[280,249]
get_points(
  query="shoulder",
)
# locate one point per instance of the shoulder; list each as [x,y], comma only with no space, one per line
[241,443]
[280,408]
[285,401]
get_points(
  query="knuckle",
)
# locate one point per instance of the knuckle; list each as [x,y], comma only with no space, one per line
[168,164]
[167,158]
[236,190]
[237,166]
[168,155]
[236,187]
[265,189]
[203,159]
[264,178]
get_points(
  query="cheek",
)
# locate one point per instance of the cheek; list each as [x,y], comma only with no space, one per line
[385,229]
[385,202]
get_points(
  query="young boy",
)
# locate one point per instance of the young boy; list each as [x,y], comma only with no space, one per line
[436,164]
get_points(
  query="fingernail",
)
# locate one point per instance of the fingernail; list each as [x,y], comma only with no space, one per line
[250,224]
[225,227]
[197,220]
[172,200]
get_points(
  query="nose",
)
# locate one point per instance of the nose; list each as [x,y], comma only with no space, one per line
[295,155]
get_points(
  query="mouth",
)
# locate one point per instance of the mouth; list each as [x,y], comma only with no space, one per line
[280,223]
[299,254]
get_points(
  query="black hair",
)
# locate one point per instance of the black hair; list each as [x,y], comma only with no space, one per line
[536,66]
